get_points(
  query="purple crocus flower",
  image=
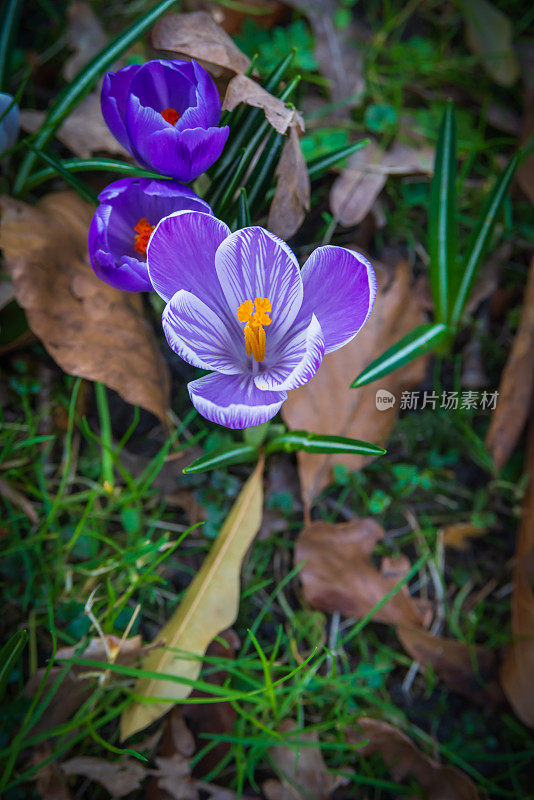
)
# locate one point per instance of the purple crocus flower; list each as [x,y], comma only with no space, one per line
[129,211]
[238,304]
[166,114]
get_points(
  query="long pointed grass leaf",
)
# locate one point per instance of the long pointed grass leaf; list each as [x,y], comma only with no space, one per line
[92,165]
[421,340]
[9,20]
[442,216]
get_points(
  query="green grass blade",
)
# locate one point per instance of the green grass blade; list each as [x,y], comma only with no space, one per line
[318,166]
[419,341]
[223,458]
[78,185]
[93,165]
[442,244]
[243,211]
[293,441]
[9,655]
[76,90]
[9,20]
[482,236]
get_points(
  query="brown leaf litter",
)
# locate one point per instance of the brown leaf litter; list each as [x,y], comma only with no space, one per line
[292,195]
[404,758]
[327,405]
[516,386]
[281,116]
[91,329]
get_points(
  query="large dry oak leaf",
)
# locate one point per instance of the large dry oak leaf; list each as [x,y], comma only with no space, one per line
[91,329]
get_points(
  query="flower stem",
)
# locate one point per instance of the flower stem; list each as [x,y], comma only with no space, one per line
[105,433]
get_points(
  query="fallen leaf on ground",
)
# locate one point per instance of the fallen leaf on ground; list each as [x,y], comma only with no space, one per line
[242,89]
[356,189]
[198,36]
[84,131]
[455,663]
[459,534]
[86,37]
[292,194]
[91,329]
[518,665]
[339,575]
[403,758]
[209,605]
[119,778]
[525,172]
[214,718]
[489,33]
[516,386]
[336,51]
[327,405]
[18,499]
[304,772]
[50,784]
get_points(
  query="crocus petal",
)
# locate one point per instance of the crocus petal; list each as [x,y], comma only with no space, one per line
[181,255]
[340,289]
[254,263]
[9,122]
[113,100]
[234,400]
[183,154]
[198,335]
[296,361]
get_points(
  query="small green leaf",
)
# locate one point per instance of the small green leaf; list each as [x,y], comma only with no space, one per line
[442,245]
[482,235]
[239,454]
[293,441]
[9,655]
[419,341]
[84,81]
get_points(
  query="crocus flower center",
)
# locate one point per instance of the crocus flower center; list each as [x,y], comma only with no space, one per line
[255,319]
[170,115]
[143,229]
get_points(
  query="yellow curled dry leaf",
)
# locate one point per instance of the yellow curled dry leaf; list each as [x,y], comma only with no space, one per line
[210,604]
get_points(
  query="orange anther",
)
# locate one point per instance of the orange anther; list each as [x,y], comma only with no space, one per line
[143,229]
[170,115]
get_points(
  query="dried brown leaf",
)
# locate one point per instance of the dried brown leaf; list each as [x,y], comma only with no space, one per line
[404,758]
[89,328]
[84,131]
[356,189]
[119,778]
[516,386]
[339,575]
[459,534]
[525,173]
[304,771]
[292,194]
[50,783]
[242,89]
[455,663]
[86,37]
[518,665]
[174,779]
[327,404]
[489,33]
[198,36]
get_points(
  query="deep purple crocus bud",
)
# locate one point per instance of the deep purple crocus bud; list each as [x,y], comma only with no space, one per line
[166,114]
[129,211]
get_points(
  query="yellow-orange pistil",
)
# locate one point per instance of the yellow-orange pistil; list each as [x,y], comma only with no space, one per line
[255,320]
[143,229]
[170,115]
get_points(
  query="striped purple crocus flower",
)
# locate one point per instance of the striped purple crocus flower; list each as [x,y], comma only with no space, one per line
[239,306]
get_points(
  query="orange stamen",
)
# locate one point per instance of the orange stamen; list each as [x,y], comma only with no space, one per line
[170,115]
[143,229]
[254,320]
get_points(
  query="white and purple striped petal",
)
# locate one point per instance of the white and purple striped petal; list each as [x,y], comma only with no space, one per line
[199,336]
[297,358]
[181,255]
[340,289]
[234,400]
[254,263]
